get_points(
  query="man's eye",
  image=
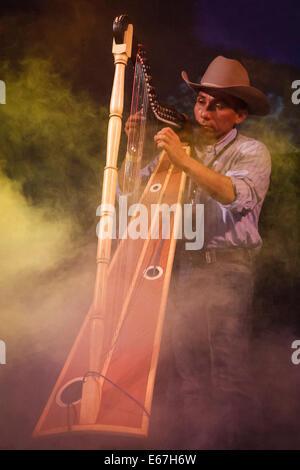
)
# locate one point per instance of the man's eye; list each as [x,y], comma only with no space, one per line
[220,105]
[200,101]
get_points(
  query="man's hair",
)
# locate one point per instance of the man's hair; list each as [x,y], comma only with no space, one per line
[239,105]
[235,103]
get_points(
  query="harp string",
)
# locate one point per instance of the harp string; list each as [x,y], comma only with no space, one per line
[135,145]
[137,156]
[133,161]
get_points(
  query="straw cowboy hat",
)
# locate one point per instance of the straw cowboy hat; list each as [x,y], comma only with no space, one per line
[229,76]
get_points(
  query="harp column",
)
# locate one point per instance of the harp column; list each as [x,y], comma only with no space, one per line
[91,392]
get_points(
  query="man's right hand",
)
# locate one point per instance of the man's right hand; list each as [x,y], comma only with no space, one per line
[132,122]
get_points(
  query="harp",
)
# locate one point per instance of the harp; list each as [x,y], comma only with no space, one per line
[106,384]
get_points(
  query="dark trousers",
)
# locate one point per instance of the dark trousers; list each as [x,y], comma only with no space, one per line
[209,321]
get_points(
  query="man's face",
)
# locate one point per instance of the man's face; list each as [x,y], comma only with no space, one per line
[217,114]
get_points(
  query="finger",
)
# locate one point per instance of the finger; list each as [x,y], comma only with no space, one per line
[163,134]
[161,145]
[166,131]
[162,139]
[169,134]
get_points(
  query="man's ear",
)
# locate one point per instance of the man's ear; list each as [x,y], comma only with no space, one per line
[241,115]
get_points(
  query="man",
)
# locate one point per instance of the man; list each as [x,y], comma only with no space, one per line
[213,286]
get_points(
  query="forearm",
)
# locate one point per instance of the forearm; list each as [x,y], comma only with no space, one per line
[218,186]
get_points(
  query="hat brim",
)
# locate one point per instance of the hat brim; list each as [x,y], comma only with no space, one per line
[257,102]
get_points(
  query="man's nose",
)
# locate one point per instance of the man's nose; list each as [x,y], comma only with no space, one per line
[204,112]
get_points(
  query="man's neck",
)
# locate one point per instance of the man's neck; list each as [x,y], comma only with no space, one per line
[207,140]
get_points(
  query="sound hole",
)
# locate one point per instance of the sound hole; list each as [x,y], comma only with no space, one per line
[153,272]
[70,393]
[155,187]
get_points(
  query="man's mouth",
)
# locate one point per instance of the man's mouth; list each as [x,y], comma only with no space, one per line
[206,127]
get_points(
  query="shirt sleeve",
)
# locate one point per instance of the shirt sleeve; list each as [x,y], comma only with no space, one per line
[145,174]
[148,169]
[250,176]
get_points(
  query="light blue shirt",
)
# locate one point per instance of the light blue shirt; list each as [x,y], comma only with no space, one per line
[248,163]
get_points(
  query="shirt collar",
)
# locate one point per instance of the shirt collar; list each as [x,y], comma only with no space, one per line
[218,146]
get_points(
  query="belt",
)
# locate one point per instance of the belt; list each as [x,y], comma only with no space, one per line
[230,255]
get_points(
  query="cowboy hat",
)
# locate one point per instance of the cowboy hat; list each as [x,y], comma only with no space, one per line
[230,77]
